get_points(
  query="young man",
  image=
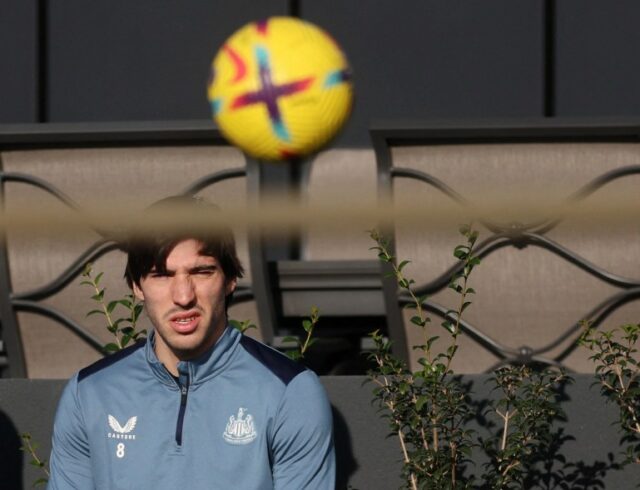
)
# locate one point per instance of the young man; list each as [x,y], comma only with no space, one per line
[197,405]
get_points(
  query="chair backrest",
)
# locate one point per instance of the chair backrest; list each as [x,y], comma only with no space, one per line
[537,281]
[44,328]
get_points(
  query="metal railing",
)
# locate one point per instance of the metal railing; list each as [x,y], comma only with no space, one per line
[387,135]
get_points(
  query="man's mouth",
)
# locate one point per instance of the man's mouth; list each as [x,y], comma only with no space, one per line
[185,323]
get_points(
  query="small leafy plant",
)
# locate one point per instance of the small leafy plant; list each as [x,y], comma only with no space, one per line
[427,408]
[123,328]
[301,347]
[618,372]
[30,447]
[527,410]
[242,326]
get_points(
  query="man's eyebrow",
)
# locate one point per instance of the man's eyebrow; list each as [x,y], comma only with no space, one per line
[159,270]
[204,267]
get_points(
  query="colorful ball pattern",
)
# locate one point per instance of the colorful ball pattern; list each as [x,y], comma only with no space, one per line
[280,88]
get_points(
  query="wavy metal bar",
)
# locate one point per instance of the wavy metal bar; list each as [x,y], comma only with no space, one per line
[539,226]
[499,241]
[207,180]
[590,188]
[97,250]
[52,313]
[51,189]
[411,173]
[40,183]
[597,316]
[600,181]
[533,355]
[448,191]
[581,262]
[481,338]
[486,247]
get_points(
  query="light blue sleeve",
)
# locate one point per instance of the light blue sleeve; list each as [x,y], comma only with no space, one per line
[302,448]
[70,462]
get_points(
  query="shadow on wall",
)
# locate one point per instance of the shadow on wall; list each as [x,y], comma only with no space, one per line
[346,464]
[10,454]
[563,464]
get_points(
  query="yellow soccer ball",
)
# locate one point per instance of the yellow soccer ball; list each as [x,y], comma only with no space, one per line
[280,88]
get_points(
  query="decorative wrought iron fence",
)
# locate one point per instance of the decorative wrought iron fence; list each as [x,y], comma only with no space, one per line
[389,136]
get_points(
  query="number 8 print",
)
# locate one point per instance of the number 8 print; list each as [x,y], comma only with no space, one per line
[120,450]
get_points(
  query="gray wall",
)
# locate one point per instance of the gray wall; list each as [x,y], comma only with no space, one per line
[18,61]
[367,458]
[117,60]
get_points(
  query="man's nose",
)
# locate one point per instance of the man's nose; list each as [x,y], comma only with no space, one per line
[183,291]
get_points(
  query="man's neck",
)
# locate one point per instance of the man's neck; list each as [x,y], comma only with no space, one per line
[171,358]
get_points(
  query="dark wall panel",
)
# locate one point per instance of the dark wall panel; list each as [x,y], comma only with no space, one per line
[139,60]
[598,66]
[427,58]
[18,61]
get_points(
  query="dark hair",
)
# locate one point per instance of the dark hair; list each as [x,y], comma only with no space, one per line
[170,221]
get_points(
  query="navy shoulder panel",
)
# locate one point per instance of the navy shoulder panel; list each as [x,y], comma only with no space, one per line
[109,360]
[279,364]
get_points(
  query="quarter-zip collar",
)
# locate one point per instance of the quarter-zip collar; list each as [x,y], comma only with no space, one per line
[200,369]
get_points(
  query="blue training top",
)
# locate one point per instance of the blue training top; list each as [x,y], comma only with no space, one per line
[242,416]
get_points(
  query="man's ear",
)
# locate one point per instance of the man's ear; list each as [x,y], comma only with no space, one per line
[231,286]
[138,292]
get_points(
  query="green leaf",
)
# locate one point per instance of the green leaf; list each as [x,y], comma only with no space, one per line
[461,252]
[99,296]
[416,320]
[451,351]
[95,312]
[136,311]
[294,355]
[420,402]
[431,341]
[306,324]
[403,264]
[422,361]
[290,338]
[111,347]
[124,302]
[98,277]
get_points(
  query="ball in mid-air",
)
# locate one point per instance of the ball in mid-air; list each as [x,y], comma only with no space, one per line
[280,88]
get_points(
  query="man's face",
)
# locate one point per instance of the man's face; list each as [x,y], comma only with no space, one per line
[185,304]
